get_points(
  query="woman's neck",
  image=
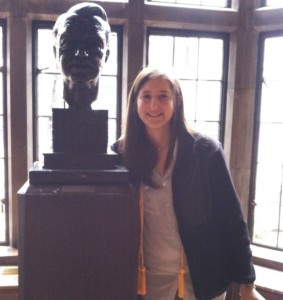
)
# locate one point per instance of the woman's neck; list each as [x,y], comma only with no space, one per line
[160,139]
[162,152]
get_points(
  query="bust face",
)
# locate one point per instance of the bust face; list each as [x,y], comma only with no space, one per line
[82,50]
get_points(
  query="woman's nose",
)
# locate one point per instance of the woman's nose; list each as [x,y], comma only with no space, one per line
[154,101]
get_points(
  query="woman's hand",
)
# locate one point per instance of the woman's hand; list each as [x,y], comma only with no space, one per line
[248,292]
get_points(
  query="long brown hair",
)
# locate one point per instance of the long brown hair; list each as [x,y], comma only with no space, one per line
[139,154]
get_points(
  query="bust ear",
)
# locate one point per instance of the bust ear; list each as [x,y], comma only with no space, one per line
[55,52]
[107,55]
[56,57]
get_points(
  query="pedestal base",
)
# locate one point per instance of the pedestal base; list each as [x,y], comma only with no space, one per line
[78,240]
[40,175]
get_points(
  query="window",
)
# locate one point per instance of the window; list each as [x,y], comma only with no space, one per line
[267,195]
[277,3]
[199,61]
[120,1]
[211,3]
[3,161]
[48,87]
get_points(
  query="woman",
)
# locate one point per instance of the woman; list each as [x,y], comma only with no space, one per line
[194,241]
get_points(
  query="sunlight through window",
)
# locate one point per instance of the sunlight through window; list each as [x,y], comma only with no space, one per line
[3,192]
[211,3]
[268,215]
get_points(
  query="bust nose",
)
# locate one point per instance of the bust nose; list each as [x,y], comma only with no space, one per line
[80,52]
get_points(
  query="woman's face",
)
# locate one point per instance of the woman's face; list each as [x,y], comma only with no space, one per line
[155,104]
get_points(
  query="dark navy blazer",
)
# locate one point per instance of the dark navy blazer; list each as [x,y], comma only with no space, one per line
[210,220]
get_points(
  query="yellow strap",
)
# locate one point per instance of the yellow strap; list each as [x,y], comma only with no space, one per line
[141,268]
[181,277]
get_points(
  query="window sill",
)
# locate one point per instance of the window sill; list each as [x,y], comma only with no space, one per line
[269,280]
[8,256]
[269,271]
[8,271]
[9,278]
[268,258]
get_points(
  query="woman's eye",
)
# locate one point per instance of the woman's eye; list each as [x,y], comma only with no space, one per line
[159,97]
[146,97]
[163,97]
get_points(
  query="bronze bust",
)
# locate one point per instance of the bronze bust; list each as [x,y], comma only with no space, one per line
[81,49]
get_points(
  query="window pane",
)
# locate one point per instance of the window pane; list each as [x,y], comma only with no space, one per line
[2,153]
[111,66]
[216,3]
[49,93]
[45,53]
[49,87]
[3,206]
[210,128]
[186,57]
[1,47]
[1,93]
[107,96]
[210,59]
[277,3]
[273,68]
[268,226]
[112,131]
[213,3]
[3,171]
[271,103]
[122,1]
[155,44]
[189,90]
[44,141]
[208,101]
[199,63]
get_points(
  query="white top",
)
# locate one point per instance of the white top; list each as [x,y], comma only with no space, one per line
[162,242]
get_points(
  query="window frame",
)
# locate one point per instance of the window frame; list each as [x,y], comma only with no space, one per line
[36,25]
[264,4]
[229,3]
[3,24]
[206,34]
[255,147]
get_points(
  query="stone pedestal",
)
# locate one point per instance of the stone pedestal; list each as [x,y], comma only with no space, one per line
[78,235]
[78,217]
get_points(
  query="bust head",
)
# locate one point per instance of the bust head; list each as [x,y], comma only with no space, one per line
[81,49]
